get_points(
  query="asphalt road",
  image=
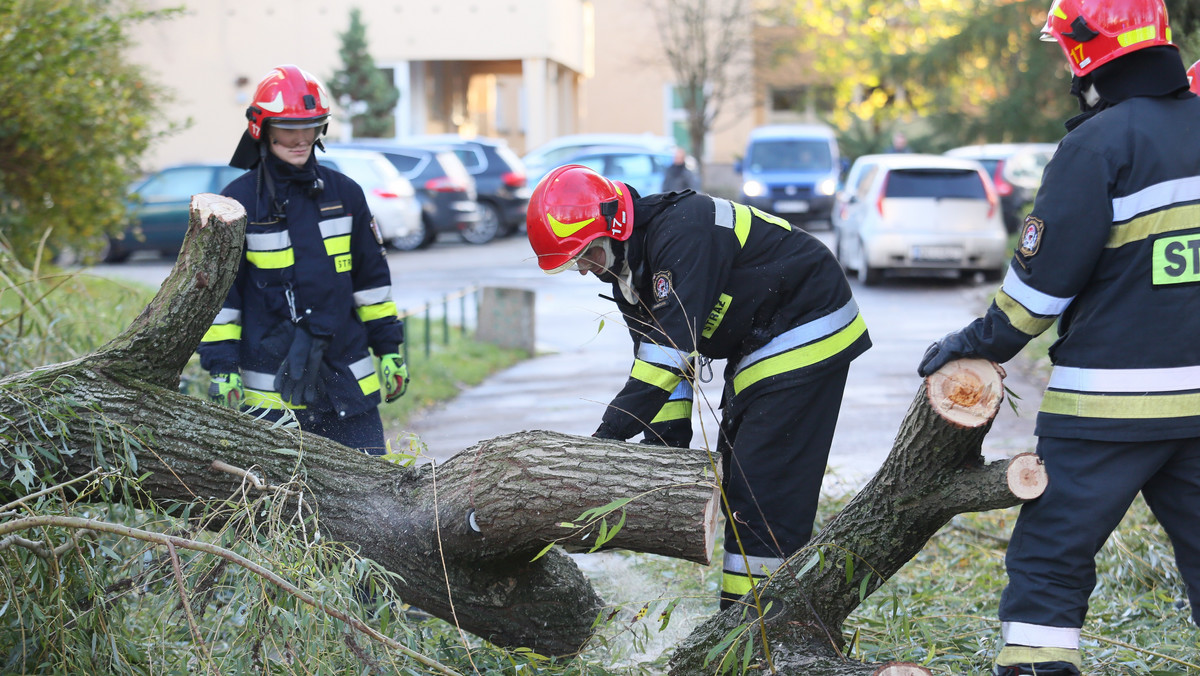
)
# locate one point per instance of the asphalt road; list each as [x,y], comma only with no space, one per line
[584,354]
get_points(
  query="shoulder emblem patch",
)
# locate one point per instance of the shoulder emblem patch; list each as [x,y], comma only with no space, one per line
[375,231]
[1031,236]
[662,286]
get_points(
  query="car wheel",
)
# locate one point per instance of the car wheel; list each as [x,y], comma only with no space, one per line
[486,228]
[868,275]
[110,251]
[995,274]
[417,240]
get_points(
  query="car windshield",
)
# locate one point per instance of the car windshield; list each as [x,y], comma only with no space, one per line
[789,155]
[936,184]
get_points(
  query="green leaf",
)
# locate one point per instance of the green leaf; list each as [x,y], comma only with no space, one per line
[543,552]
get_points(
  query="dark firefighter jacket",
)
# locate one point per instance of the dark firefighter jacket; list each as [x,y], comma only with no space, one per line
[314,262]
[726,281]
[1111,252]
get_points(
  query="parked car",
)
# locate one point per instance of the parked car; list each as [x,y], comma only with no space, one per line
[919,214]
[390,196]
[1015,168]
[791,170]
[500,178]
[556,152]
[640,168]
[158,208]
[446,191]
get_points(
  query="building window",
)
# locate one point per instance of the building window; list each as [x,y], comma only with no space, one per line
[677,118]
[802,99]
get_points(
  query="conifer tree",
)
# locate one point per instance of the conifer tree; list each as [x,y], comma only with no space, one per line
[359,81]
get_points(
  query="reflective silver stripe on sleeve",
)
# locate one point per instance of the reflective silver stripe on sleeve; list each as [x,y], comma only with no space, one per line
[724,212]
[381,294]
[1125,380]
[804,334]
[228,315]
[1035,301]
[682,391]
[257,380]
[362,368]
[662,356]
[759,565]
[1155,197]
[268,241]
[337,226]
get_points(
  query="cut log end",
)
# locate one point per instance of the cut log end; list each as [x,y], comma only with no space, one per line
[1026,476]
[966,392]
[710,523]
[902,669]
[225,209]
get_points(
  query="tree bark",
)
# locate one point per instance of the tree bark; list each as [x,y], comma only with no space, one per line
[125,413]
[935,471]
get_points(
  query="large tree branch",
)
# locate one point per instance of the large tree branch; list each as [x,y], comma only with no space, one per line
[935,471]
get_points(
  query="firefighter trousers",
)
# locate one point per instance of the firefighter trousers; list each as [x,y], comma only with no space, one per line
[773,454]
[1051,558]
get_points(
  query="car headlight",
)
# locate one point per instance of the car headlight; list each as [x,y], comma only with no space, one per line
[828,186]
[753,189]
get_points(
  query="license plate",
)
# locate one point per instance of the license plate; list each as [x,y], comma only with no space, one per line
[937,253]
[791,206]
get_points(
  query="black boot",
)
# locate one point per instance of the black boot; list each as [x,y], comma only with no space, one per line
[1038,669]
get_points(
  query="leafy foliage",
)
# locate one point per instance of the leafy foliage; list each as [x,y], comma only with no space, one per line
[360,81]
[952,73]
[74,119]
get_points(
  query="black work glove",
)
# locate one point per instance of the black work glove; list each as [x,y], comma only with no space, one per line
[952,346]
[299,376]
[606,432]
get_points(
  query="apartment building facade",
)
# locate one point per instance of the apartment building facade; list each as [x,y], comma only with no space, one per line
[523,70]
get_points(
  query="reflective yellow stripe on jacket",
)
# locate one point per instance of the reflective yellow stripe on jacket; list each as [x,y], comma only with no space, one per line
[374,303]
[804,345]
[226,326]
[1128,394]
[678,406]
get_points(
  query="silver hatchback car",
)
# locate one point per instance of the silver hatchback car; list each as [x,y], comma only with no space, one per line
[390,196]
[919,214]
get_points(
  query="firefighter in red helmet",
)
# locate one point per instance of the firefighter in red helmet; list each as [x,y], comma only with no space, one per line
[312,298]
[701,278]
[1108,255]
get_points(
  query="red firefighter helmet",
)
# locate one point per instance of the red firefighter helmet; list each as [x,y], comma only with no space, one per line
[1193,81]
[571,206]
[1094,32]
[288,98]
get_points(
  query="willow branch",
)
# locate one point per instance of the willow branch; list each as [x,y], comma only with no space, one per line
[170,540]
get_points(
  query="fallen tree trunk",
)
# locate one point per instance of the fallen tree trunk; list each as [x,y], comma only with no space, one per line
[934,472]
[465,536]
[462,536]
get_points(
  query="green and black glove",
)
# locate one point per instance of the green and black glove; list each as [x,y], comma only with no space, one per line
[226,389]
[393,376]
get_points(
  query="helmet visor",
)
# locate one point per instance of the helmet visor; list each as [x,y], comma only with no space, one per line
[283,123]
[571,264]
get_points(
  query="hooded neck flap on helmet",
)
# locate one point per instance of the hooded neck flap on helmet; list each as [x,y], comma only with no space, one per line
[1154,71]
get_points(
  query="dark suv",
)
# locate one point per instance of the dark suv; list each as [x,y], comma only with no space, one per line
[446,191]
[500,178]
